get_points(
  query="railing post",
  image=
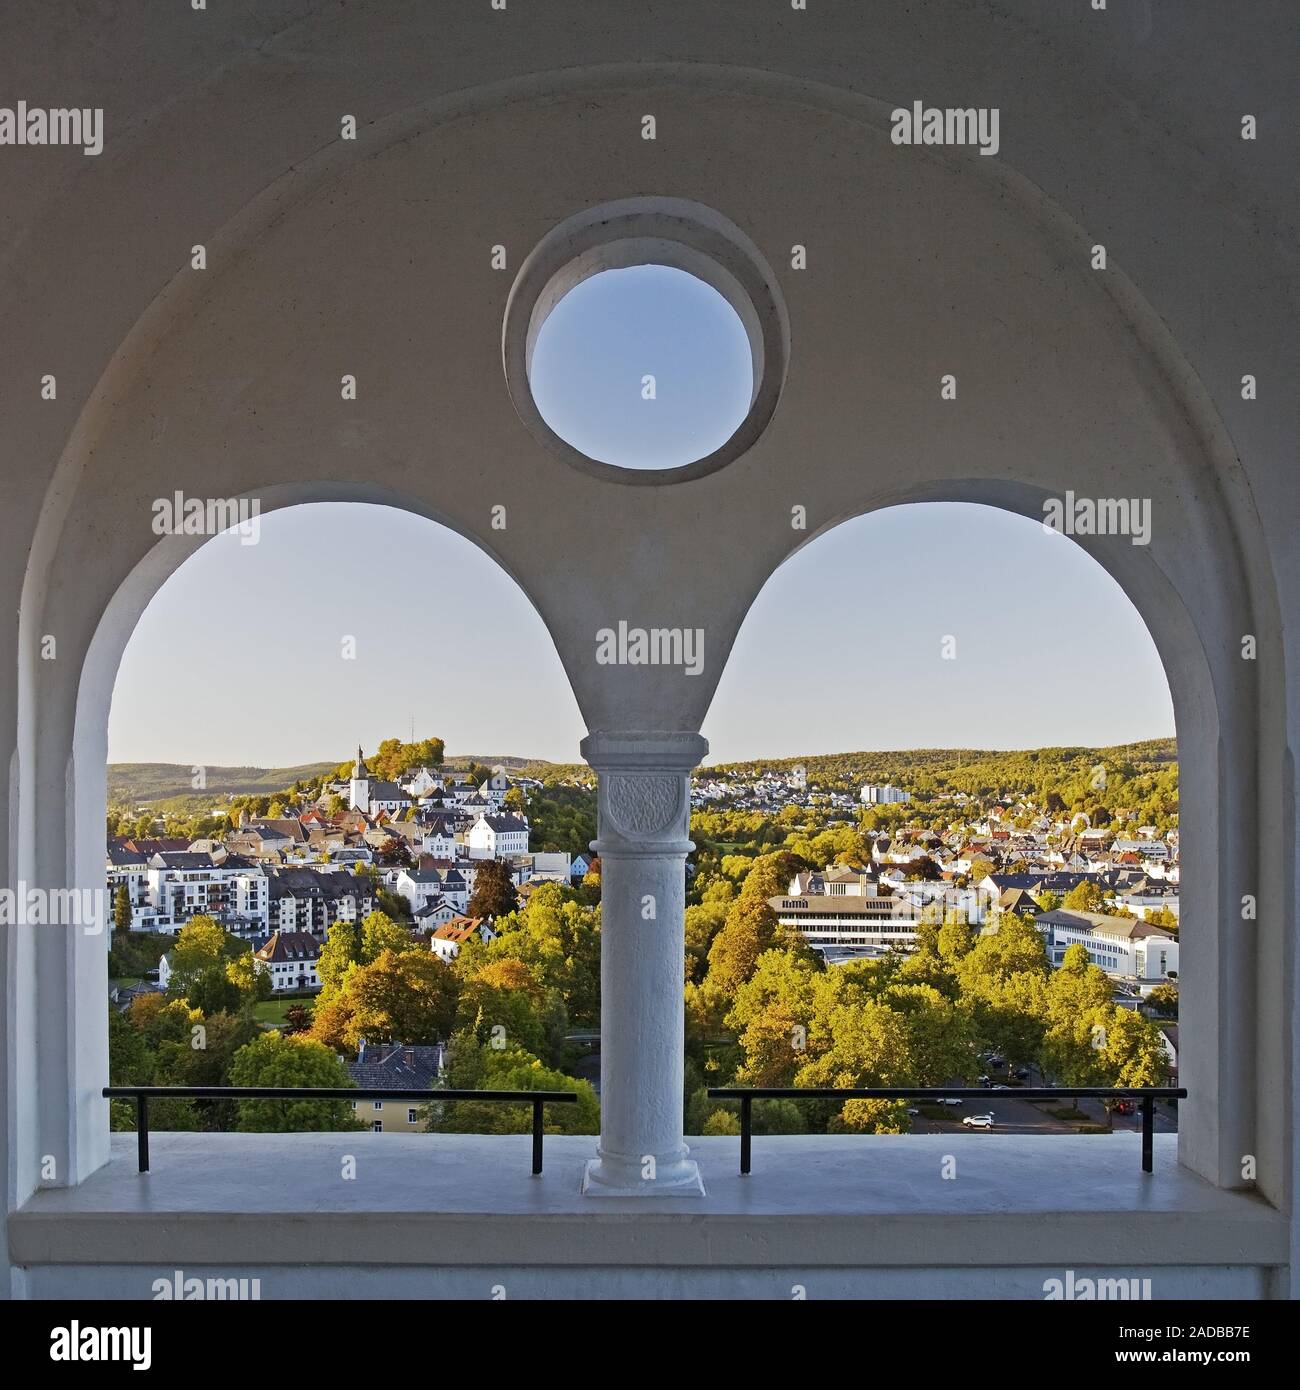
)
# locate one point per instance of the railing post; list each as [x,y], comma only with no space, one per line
[142,1131]
[1148,1128]
[746,1116]
[537,1137]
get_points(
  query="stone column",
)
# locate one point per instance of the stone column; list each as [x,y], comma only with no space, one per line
[644,820]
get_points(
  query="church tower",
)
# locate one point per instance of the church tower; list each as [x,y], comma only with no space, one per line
[359,788]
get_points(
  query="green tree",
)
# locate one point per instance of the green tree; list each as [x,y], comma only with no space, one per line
[472,1065]
[122,909]
[1164,1000]
[751,925]
[379,933]
[272,1059]
[1085,897]
[340,953]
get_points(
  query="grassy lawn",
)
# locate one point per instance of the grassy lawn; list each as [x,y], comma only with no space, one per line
[270,1013]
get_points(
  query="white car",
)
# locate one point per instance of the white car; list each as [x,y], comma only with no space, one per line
[949,1100]
[978,1121]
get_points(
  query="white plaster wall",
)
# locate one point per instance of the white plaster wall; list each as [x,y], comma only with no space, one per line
[372,258]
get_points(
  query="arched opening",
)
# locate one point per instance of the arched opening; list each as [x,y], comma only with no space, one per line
[328,723]
[643,367]
[943,747]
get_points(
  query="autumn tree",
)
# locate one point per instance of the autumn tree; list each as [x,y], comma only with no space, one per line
[1086,896]
[751,925]
[494,891]
[407,997]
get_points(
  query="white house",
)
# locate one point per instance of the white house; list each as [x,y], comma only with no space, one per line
[446,942]
[497,837]
[290,960]
[421,781]
[418,886]
[440,840]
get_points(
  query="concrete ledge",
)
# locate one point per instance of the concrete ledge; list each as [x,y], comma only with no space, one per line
[467,1200]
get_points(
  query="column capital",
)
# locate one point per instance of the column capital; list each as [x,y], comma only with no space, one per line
[644,794]
[644,751]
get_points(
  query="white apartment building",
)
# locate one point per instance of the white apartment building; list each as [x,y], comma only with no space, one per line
[548,867]
[184,884]
[1123,947]
[312,900]
[882,794]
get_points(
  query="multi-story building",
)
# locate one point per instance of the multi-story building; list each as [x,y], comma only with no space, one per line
[290,960]
[398,1067]
[497,837]
[1124,947]
[882,794]
[184,884]
[312,900]
[868,918]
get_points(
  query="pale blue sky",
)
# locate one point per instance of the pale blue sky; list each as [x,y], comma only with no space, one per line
[608,334]
[1049,651]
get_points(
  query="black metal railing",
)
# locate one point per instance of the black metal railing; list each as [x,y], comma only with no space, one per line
[142,1095]
[746,1095]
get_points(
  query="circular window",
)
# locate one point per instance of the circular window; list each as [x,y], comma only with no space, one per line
[644,367]
[645,341]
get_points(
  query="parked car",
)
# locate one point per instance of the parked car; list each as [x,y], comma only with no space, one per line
[1021,1073]
[986,1080]
[912,1110]
[978,1121]
[1124,1107]
[999,1087]
[949,1100]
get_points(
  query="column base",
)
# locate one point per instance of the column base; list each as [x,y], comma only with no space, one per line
[604,1177]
